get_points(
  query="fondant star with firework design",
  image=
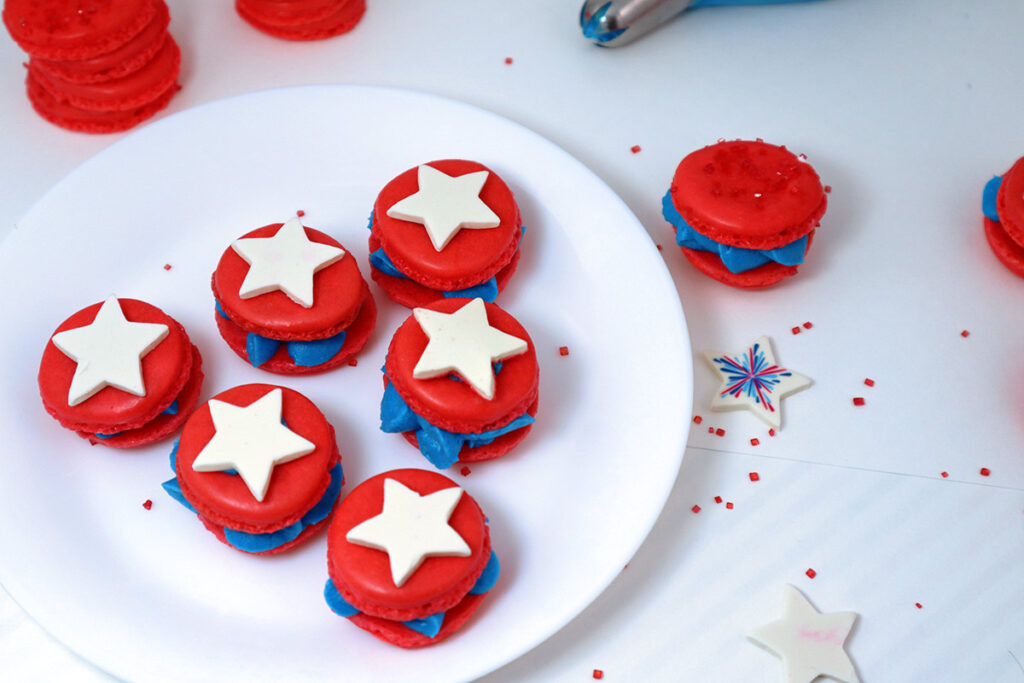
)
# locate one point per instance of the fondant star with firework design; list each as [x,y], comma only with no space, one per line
[752,379]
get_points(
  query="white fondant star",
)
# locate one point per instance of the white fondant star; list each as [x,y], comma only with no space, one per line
[464,342]
[286,261]
[411,527]
[445,204]
[109,352]
[753,380]
[251,440]
[810,643]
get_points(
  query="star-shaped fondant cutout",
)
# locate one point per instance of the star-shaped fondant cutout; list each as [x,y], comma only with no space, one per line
[411,528]
[810,643]
[464,342]
[109,352]
[251,440]
[286,261]
[445,204]
[752,379]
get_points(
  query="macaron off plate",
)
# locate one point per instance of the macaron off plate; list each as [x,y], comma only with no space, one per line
[260,466]
[1003,207]
[744,212]
[447,228]
[291,300]
[121,373]
[409,557]
[461,382]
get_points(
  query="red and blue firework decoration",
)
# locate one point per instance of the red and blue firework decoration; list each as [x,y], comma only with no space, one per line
[752,375]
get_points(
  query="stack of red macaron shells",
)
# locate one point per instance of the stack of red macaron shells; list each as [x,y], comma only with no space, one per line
[302,19]
[171,371]
[748,194]
[96,66]
[1006,236]
[470,258]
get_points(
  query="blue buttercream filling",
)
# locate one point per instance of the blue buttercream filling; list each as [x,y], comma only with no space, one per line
[736,259]
[988,198]
[437,445]
[260,349]
[169,410]
[257,543]
[430,625]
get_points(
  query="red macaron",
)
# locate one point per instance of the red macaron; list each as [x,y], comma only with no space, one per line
[1003,208]
[75,29]
[744,212]
[260,466]
[275,326]
[447,228]
[302,19]
[409,557]
[121,373]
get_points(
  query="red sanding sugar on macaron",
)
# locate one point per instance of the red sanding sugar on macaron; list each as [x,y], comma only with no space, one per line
[121,373]
[1003,207]
[444,229]
[461,382]
[302,19]
[260,466]
[409,557]
[744,212]
[291,300]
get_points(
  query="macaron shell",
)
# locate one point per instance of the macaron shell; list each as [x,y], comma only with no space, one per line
[1009,253]
[338,294]
[1010,202]
[356,336]
[748,194]
[495,449]
[292,14]
[127,93]
[343,20]
[75,29]
[163,425]
[117,63]
[362,575]
[396,633]
[472,256]
[165,370]
[303,536]
[295,486]
[454,405]
[62,114]
[411,294]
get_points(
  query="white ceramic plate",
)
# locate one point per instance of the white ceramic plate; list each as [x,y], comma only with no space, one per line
[151,594]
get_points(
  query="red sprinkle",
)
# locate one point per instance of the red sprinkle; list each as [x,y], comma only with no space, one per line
[718,499]
[563,350]
[598,674]
[658,246]
[635,149]
[508,60]
[795,330]
[464,471]
[984,471]
[719,432]
[711,430]
[945,474]
[697,419]
[828,188]
[695,509]
[869,382]
[917,605]
[965,333]
[300,213]
[728,506]
[858,401]
[771,432]
[167,266]
[808,326]
[754,476]
[754,442]
[811,573]
[353,362]
[148,504]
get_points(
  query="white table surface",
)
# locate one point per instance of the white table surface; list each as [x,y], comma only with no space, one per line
[906,109]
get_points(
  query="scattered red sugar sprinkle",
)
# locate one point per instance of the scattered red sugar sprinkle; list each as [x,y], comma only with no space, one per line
[695,509]
[167,266]
[917,605]
[811,573]
[508,60]
[945,474]
[754,476]
[353,362]
[718,499]
[754,442]
[598,674]
[711,430]
[563,350]
[300,213]
[658,246]
[795,330]
[728,506]
[719,432]
[858,401]
[697,419]
[984,471]
[771,432]
[808,326]
[464,471]
[148,504]
[828,188]
[965,333]
[635,149]
[869,382]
